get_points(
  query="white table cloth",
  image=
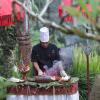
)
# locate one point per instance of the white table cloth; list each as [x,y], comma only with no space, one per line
[44,97]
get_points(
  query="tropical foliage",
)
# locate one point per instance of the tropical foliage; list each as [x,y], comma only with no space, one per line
[9,54]
[7,45]
[79,69]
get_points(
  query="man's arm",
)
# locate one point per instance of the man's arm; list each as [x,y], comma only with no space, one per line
[35,64]
[34,61]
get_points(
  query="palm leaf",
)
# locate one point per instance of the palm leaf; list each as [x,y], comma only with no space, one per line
[72,11]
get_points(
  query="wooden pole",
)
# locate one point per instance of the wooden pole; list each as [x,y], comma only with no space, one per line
[88,77]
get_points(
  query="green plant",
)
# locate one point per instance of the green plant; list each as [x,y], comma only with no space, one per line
[79,69]
[4,83]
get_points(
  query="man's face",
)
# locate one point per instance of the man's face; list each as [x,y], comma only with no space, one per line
[44,44]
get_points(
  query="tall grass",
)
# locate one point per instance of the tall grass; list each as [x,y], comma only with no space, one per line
[79,68]
[79,61]
[94,62]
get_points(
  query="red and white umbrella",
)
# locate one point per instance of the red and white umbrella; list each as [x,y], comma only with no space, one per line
[89,7]
[6,15]
[61,12]
[69,3]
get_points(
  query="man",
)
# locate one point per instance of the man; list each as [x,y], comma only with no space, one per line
[45,56]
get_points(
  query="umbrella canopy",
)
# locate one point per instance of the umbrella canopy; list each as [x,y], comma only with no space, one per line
[69,3]
[88,7]
[6,16]
[61,12]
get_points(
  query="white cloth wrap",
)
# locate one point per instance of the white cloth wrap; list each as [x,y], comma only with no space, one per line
[44,97]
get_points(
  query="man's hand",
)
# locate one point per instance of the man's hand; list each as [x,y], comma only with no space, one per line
[40,72]
[38,68]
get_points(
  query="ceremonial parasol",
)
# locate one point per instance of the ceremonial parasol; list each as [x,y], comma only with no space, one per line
[8,12]
[6,15]
[70,3]
[61,12]
[83,11]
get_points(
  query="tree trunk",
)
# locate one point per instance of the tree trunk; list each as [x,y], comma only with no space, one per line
[24,43]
